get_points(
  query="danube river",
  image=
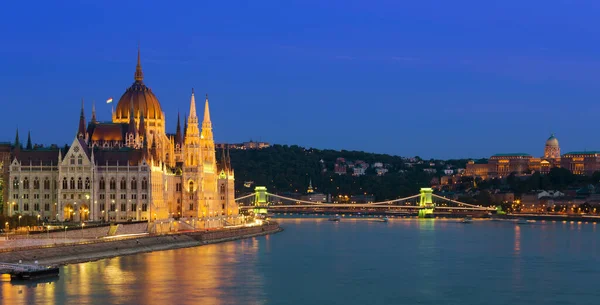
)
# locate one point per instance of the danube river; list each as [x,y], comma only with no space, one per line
[355,261]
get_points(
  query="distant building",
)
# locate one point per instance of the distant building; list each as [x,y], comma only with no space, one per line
[448,172]
[381,171]
[581,162]
[362,198]
[244,145]
[358,171]
[377,165]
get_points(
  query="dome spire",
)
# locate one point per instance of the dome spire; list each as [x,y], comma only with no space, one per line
[139,75]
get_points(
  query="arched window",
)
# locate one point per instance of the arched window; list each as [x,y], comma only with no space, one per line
[102,183]
[64,183]
[123,183]
[26,183]
[46,184]
[144,184]
[16,183]
[72,183]
[222,189]
[80,160]
[36,183]
[87,183]
[79,183]
[133,184]
[113,183]
[191,186]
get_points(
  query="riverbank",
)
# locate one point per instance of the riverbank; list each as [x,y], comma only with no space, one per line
[100,249]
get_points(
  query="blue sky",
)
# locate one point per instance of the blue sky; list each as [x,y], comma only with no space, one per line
[441,79]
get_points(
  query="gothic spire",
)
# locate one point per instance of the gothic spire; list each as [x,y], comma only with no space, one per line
[178,138]
[142,128]
[139,75]
[29,146]
[17,143]
[185,127]
[193,106]
[81,130]
[206,112]
[224,160]
[132,127]
[93,112]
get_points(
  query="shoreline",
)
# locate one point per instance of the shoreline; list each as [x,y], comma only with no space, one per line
[75,254]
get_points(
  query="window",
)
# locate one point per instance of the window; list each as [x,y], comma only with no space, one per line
[46,196]
[80,160]
[15,196]
[113,207]
[79,183]
[222,189]
[72,196]
[223,206]
[144,184]
[144,196]
[72,183]
[191,196]
[26,207]
[123,196]
[79,196]
[123,184]
[72,160]
[64,196]
[36,196]
[191,186]
[178,187]
[64,183]
[144,207]
[123,207]
[25,196]
[87,183]
[102,196]
[36,206]
[26,183]
[46,207]
[46,184]
[133,184]
[191,206]
[16,183]
[36,183]
[113,196]
[102,206]
[133,196]
[113,184]
[133,207]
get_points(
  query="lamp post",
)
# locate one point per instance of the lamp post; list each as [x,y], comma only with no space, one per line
[82,225]
[38,219]
[20,220]
[65,233]
[7,228]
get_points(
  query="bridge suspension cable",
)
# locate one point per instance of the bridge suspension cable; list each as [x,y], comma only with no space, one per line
[461,203]
[244,197]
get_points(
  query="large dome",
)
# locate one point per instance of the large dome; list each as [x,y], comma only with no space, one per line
[143,100]
[552,141]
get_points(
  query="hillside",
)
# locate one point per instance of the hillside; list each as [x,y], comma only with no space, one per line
[290,168]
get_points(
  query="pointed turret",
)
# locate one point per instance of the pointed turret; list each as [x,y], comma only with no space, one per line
[193,105]
[142,128]
[94,112]
[310,187]
[206,112]
[17,142]
[191,129]
[184,127]
[153,150]
[139,75]
[132,127]
[29,146]
[178,137]
[223,160]
[81,130]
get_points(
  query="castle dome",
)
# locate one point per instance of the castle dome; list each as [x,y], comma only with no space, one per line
[143,100]
[552,141]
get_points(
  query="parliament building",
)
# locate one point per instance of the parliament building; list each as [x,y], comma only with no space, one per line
[128,169]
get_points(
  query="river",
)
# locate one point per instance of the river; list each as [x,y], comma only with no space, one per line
[355,261]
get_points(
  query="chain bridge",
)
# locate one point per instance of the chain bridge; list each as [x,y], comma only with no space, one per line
[424,204]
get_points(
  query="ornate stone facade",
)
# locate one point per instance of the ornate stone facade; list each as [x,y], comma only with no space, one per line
[127,169]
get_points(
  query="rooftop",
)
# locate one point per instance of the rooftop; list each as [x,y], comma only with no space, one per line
[512,155]
[591,152]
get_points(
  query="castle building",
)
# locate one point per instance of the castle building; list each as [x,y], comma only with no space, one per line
[502,165]
[128,169]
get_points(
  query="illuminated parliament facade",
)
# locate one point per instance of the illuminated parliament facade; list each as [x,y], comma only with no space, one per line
[129,169]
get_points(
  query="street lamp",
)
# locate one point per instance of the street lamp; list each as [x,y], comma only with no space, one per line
[38,219]
[20,220]
[82,225]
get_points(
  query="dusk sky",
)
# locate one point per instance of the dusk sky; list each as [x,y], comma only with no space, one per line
[438,79]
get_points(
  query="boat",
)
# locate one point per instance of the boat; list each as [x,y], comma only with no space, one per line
[335,218]
[35,273]
[384,219]
[467,219]
[524,221]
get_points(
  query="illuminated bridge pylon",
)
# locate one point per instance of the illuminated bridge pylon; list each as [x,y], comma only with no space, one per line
[261,204]
[426,203]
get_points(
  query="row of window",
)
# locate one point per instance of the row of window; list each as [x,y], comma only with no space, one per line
[123,184]
[80,184]
[35,196]
[123,206]
[123,196]
[36,183]
[36,207]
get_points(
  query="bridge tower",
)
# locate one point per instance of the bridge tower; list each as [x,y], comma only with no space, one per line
[260,200]
[426,203]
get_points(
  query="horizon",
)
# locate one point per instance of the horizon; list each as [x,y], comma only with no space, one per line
[435,80]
